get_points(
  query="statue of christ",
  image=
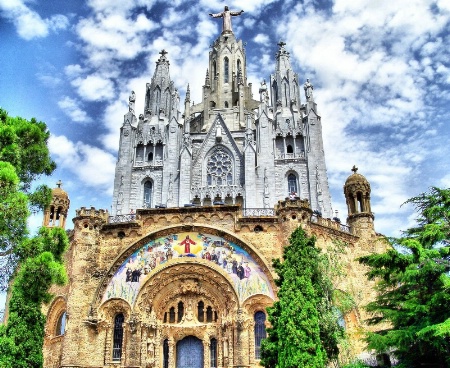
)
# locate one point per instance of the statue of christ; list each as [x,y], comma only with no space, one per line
[226,15]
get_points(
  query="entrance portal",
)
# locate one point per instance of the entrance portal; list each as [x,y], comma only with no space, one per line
[190,353]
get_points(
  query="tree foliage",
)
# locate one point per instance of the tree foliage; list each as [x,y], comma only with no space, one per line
[24,156]
[22,338]
[413,287]
[304,330]
[35,263]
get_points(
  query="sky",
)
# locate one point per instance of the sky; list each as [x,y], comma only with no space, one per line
[380,70]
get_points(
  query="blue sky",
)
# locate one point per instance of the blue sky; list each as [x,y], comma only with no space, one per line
[380,70]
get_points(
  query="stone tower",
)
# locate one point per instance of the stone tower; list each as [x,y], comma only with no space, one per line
[55,214]
[357,195]
[230,148]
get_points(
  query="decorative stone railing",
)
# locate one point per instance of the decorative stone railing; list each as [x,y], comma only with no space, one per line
[290,156]
[258,212]
[117,219]
[154,163]
[213,191]
[330,223]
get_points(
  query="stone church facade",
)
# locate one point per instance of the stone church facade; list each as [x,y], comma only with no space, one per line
[179,274]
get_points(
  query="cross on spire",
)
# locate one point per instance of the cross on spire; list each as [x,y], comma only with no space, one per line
[59,183]
[163,52]
[354,169]
[281,44]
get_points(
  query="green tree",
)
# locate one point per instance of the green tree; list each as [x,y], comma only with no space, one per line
[24,157]
[34,263]
[304,330]
[413,287]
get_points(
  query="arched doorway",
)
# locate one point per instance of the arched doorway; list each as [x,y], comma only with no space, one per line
[190,353]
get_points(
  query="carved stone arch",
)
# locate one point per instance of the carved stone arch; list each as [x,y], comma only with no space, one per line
[228,236]
[186,280]
[57,307]
[257,303]
[110,308]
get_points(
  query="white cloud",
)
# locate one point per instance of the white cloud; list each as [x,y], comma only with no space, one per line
[72,109]
[93,166]
[261,38]
[94,88]
[29,24]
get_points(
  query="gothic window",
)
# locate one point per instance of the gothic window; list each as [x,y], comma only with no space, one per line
[214,69]
[201,311]
[166,353]
[158,99]
[139,152]
[292,183]
[226,104]
[172,315]
[61,324]
[260,332]
[148,189]
[289,149]
[239,65]
[180,311]
[226,68]
[209,314]
[150,157]
[219,168]
[285,95]
[213,353]
[118,336]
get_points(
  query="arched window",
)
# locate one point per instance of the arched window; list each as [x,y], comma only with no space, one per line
[239,65]
[226,69]
[226,104]
[213,353]
[180,311]
[166,353]
[292,183]
[285,95]
[61,324]
[260,332]
[209,314]
[172,315]
[289,149]
[148,189]
[150,157]
[118,336]
[201,311]
[214,69]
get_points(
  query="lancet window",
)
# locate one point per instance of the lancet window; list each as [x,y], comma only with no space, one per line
[213,353]
[226,70]
[61,324]
[292,183]
[148,191]
[260,332]
[219,168]
[118,336]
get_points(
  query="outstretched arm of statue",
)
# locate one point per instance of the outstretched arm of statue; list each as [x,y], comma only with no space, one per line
[236,12]
[218,15]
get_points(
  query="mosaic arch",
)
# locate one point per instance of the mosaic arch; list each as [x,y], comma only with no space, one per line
[247,276]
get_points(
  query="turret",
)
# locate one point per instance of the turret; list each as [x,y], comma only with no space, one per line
[55,214]
[357,196]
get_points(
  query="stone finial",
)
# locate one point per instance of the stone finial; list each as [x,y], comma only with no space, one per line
[188,94]
[207,83]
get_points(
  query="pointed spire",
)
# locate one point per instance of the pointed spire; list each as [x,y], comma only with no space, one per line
[162,58]
[207,82]
[188,94]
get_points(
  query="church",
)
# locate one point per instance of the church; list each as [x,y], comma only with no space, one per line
[205,197]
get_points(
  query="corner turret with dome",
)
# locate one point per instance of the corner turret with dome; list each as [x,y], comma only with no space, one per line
[55,214]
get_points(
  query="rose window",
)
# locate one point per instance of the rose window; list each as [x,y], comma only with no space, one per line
[219,169]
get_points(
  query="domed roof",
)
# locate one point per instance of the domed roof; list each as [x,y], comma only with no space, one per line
[356,178]
[59,192]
